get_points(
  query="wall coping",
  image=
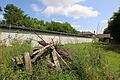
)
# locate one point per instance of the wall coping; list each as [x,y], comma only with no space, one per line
[14,27]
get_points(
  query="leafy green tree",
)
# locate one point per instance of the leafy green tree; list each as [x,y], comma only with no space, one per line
[60,27]
[0,8]
[114,26]
[1,21]
[106,31]
[13,14]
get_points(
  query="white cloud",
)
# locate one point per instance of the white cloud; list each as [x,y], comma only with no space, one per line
[68,8]
[36,8]
[104,21]
[78,11]
[77,27]
[59,21]
[1,17]
[60,2]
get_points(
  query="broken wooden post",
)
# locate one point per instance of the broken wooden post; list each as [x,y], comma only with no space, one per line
[55,59]
[27,62]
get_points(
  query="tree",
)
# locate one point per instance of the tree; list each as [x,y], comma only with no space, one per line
[114,26]
[60,27]
[0,8]
[13,14]
[106,31]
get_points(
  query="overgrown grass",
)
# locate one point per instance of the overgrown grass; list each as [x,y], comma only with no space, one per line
[6,66]
[97,60]
[90,61]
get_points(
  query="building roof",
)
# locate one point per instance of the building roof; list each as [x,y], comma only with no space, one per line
[87,33]
[104,36]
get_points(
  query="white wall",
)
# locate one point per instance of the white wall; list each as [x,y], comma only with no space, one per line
[8,35]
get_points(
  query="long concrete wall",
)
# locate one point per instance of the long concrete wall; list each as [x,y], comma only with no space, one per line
[8,36]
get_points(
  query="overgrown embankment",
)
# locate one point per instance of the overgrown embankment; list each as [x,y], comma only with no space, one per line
[91,61]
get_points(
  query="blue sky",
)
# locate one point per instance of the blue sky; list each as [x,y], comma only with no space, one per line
[83,15]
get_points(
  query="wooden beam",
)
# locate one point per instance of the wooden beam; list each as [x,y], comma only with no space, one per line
[39,52]
[55,59]
[63,60]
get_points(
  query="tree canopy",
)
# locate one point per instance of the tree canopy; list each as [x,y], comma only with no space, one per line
[114,26]
[0,8]
[16,16]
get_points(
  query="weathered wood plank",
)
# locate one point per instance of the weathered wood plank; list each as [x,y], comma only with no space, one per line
[27,60]
[39,52]
[55,59]
[63,60]
[18,60]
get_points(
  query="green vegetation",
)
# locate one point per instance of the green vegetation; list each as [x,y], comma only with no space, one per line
[114,26]
[108,53]
[0,8]
[15,16]
[91,61]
